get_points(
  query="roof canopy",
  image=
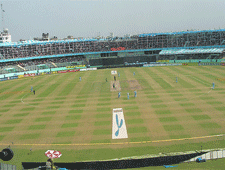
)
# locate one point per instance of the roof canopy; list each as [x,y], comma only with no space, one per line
[191,51]
[182,32]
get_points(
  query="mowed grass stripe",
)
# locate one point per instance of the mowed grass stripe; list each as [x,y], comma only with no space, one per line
[104,109]
[103,123]
[200,81]
[206,74]
[69,125]
[52,87]
[180,136]
[38,84]
[168,119]
[68,88]
[162,112]
[139,129]
[140,139]
[9,105]
[87,87]
[155,101]
[101,141]
[131,107]
[75,111]
[181,81]
[209,125]
[6,129]
[184,83]
[52,107]
[220,108]
[132,113]
[207,98]
[66,134]
[134,121]
[197,79]
[102,132]
[159,106]
[104,99]
[2,137]
[141,80]
[104,87]
[194,110]
[4,110]
[103,104]
[130,102]
[36,127]
[103,116]
[78,105]
[166,72]
[214,102]
[173,127]
[49,113]
[49,90]
[27,109]
[186,104]
[30,136]
[73,117]
[200,117]
[13,121]
[123,80]
[20,115]
[43,119]
[8,88]
[159,80]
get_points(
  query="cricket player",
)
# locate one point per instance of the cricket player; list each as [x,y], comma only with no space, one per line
[135,94]
[213,87]
[176,80]
[31,89]
[34,92]
[118,74]
[134,73]
[80,78]
[114,85]
[128,96]
[118,94]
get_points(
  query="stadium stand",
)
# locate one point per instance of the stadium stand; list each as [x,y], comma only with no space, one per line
[209,44]
[142,41]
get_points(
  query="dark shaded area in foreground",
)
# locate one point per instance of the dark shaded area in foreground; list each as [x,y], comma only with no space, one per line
[119,164]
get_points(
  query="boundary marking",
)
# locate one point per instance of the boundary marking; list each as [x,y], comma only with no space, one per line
[24,102]
[122,143]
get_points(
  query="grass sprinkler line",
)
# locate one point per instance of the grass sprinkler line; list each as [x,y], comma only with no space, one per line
[121,143]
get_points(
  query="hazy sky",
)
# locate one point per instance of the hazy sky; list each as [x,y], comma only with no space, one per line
[29,19]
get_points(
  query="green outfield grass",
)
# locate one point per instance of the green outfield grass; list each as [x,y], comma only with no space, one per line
[76,117]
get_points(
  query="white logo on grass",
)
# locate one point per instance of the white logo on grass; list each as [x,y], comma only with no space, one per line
[113,72]
[119,130]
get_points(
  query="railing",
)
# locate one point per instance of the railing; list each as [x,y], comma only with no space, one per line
[210,155]
[7,167]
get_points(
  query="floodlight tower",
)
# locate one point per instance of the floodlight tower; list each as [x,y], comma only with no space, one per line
[2,11]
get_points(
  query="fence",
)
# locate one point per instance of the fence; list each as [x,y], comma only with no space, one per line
[210,155]
[7,167]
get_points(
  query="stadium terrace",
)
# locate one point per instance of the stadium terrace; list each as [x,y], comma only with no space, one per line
[205,45]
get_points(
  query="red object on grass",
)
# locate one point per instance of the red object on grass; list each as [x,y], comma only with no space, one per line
[53,154]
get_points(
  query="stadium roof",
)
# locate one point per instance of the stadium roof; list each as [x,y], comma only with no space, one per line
[33,42]
[36,42]
[182,32]
[193,51]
